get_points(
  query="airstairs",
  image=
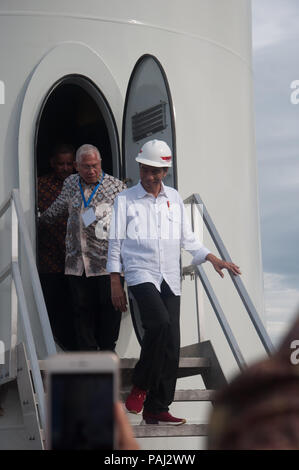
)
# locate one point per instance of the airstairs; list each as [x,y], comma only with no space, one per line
[22,393]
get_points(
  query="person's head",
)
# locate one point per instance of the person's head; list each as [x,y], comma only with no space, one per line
[151,177]
[62,161]
[154,159]
[88,163]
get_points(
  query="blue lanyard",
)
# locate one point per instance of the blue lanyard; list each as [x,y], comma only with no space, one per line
[86,204]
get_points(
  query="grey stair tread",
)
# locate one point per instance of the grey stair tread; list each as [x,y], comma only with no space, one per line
[185,362]
[152,430]
[5,380]
[194,395]
[194,362]
[183,395]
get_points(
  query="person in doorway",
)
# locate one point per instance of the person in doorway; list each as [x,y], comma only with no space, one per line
[148,230]
[51,248]
[88,199]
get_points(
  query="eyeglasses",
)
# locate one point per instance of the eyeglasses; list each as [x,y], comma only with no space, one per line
[89,167]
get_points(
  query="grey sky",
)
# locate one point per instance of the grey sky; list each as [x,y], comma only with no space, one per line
[276,65]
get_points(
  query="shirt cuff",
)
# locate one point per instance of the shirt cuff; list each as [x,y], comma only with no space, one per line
[200,256]
[114,267]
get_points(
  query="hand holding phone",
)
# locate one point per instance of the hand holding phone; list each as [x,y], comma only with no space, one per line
[82,393]
[126,438]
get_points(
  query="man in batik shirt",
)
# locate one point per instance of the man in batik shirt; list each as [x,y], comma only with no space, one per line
[87,198]
[51,248]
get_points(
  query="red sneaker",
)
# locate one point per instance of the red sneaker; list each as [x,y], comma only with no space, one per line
[134,402]
[161,418]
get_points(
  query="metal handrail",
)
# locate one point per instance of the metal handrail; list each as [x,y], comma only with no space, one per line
[241,290]
[37,290]
[5,205]
[5,273]
[19,300]
[219,313]
[30,346]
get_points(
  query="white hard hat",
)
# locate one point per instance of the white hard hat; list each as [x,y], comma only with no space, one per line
[155,153]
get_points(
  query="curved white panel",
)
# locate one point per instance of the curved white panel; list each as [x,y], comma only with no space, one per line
[65,59]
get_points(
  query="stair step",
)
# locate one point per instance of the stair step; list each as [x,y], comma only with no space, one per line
[182,395]
[194,395]
[188,366]
[185,362]
[187,430]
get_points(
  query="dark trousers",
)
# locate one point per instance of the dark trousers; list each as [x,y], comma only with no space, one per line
[156,370]
[97,323]
[60,310]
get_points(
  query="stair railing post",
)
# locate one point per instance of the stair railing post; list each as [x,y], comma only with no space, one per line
[198,316]
[14,297]
[242,292]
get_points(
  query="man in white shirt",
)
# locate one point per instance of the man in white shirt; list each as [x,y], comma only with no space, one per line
[148,230]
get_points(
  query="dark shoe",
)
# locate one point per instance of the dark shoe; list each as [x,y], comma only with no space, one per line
[134,402]
[163,418]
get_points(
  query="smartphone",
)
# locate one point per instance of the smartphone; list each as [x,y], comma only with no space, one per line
[82,389]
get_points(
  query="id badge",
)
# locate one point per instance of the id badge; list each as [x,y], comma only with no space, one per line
[88,217]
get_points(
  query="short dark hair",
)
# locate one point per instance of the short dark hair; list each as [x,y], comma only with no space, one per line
[165,168]
[63,148]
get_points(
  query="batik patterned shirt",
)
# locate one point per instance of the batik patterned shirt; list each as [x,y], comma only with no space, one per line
[86,247]
[51,239]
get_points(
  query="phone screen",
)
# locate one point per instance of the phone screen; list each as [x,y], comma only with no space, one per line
[81,411]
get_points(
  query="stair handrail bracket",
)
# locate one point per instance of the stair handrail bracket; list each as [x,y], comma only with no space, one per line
[19,231]
[195,200]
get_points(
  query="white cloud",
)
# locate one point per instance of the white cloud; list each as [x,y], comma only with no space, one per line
[276,25]
[281,305]
[273,21]
[267,34]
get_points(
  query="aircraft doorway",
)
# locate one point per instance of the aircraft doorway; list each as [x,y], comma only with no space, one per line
[74,113]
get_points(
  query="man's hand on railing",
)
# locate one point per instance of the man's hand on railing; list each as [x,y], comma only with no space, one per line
[219,264]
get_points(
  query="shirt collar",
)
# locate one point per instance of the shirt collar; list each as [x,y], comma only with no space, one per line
[141,192]
[163,191]
[90,185]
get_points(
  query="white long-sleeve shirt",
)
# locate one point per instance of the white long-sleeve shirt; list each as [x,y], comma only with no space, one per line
[146,237]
